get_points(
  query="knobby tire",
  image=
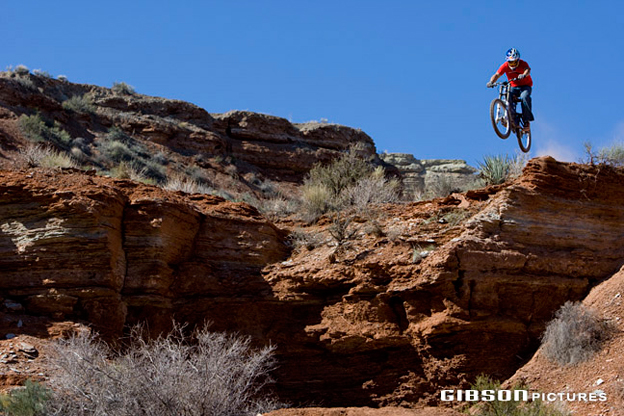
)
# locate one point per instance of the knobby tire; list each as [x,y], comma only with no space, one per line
[501,131]
[524,140]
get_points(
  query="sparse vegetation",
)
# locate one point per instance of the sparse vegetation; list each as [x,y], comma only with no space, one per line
[21,75]
[574,335]
[45,157]
[117,147]
[132,171]
[612,155]
[309,240]
[30,400]
[419,253]
[181,182]
[440,186]
[204,374]
[511,407]
[341,229]
[122,88]
[20,70]
[42,73]
[80,104]
[372,189]
[38,131]
[278,206]
[316,200]
[498,169]
[348,181]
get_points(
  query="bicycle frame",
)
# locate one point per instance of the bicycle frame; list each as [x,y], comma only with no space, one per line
[504,93]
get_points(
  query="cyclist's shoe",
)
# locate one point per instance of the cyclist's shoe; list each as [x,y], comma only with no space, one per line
[527,127]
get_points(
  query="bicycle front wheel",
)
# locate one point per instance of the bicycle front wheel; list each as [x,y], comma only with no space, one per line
[501,121]
[524,140]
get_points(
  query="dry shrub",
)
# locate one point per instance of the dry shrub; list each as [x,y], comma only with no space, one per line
[299,238]
[45,157]
[348,181]
[574,335]
[372,189]
[216,374]
[131,170]
[511,407]
[184,183]
[316,201]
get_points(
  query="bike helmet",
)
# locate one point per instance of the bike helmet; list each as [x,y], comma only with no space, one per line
[513,55]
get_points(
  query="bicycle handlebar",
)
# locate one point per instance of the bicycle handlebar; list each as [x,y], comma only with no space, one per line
[503,82]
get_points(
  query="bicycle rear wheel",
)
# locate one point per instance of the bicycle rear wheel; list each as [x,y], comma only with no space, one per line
[499,114]
[524,139]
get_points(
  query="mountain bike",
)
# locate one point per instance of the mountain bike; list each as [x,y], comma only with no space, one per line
[506,119]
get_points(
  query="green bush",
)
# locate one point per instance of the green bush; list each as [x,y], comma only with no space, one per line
[37,130]
[117,148]
[31,400]
[574,335]
[80,104]
[495,170]
[117,151]
[316,200]
[116,134]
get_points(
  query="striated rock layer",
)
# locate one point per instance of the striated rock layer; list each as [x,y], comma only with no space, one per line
[113,252]
[262,144]
[449,289]
[419,175]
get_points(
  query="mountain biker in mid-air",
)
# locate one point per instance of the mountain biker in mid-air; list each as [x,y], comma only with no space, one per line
[516,68]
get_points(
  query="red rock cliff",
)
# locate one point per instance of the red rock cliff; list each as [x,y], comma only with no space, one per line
[463,287]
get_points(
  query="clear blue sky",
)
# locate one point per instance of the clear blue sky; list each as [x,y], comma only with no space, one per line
[411,74]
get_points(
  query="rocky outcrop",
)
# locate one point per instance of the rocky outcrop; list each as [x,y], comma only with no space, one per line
[113,252]
[398,322]
[419,175]
[600,374]
[268,146]
[449,289]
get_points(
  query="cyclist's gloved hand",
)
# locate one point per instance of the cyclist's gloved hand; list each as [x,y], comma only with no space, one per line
[521,76]
[490,85]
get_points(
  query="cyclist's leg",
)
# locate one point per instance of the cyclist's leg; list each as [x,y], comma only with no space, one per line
[527,103]
[514,93]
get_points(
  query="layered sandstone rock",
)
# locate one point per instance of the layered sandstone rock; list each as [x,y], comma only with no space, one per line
[397,332]
[453,288]
[419,175]
[112,252]
[269,146]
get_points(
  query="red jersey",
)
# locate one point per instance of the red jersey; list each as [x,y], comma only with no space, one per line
[513,73]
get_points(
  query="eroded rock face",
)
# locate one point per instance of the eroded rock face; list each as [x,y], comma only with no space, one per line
[450,289]
[418,175]
[397,332]
[261,144]
[112,252]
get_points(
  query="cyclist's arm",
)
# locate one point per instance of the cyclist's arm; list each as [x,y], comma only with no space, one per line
[495,77]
